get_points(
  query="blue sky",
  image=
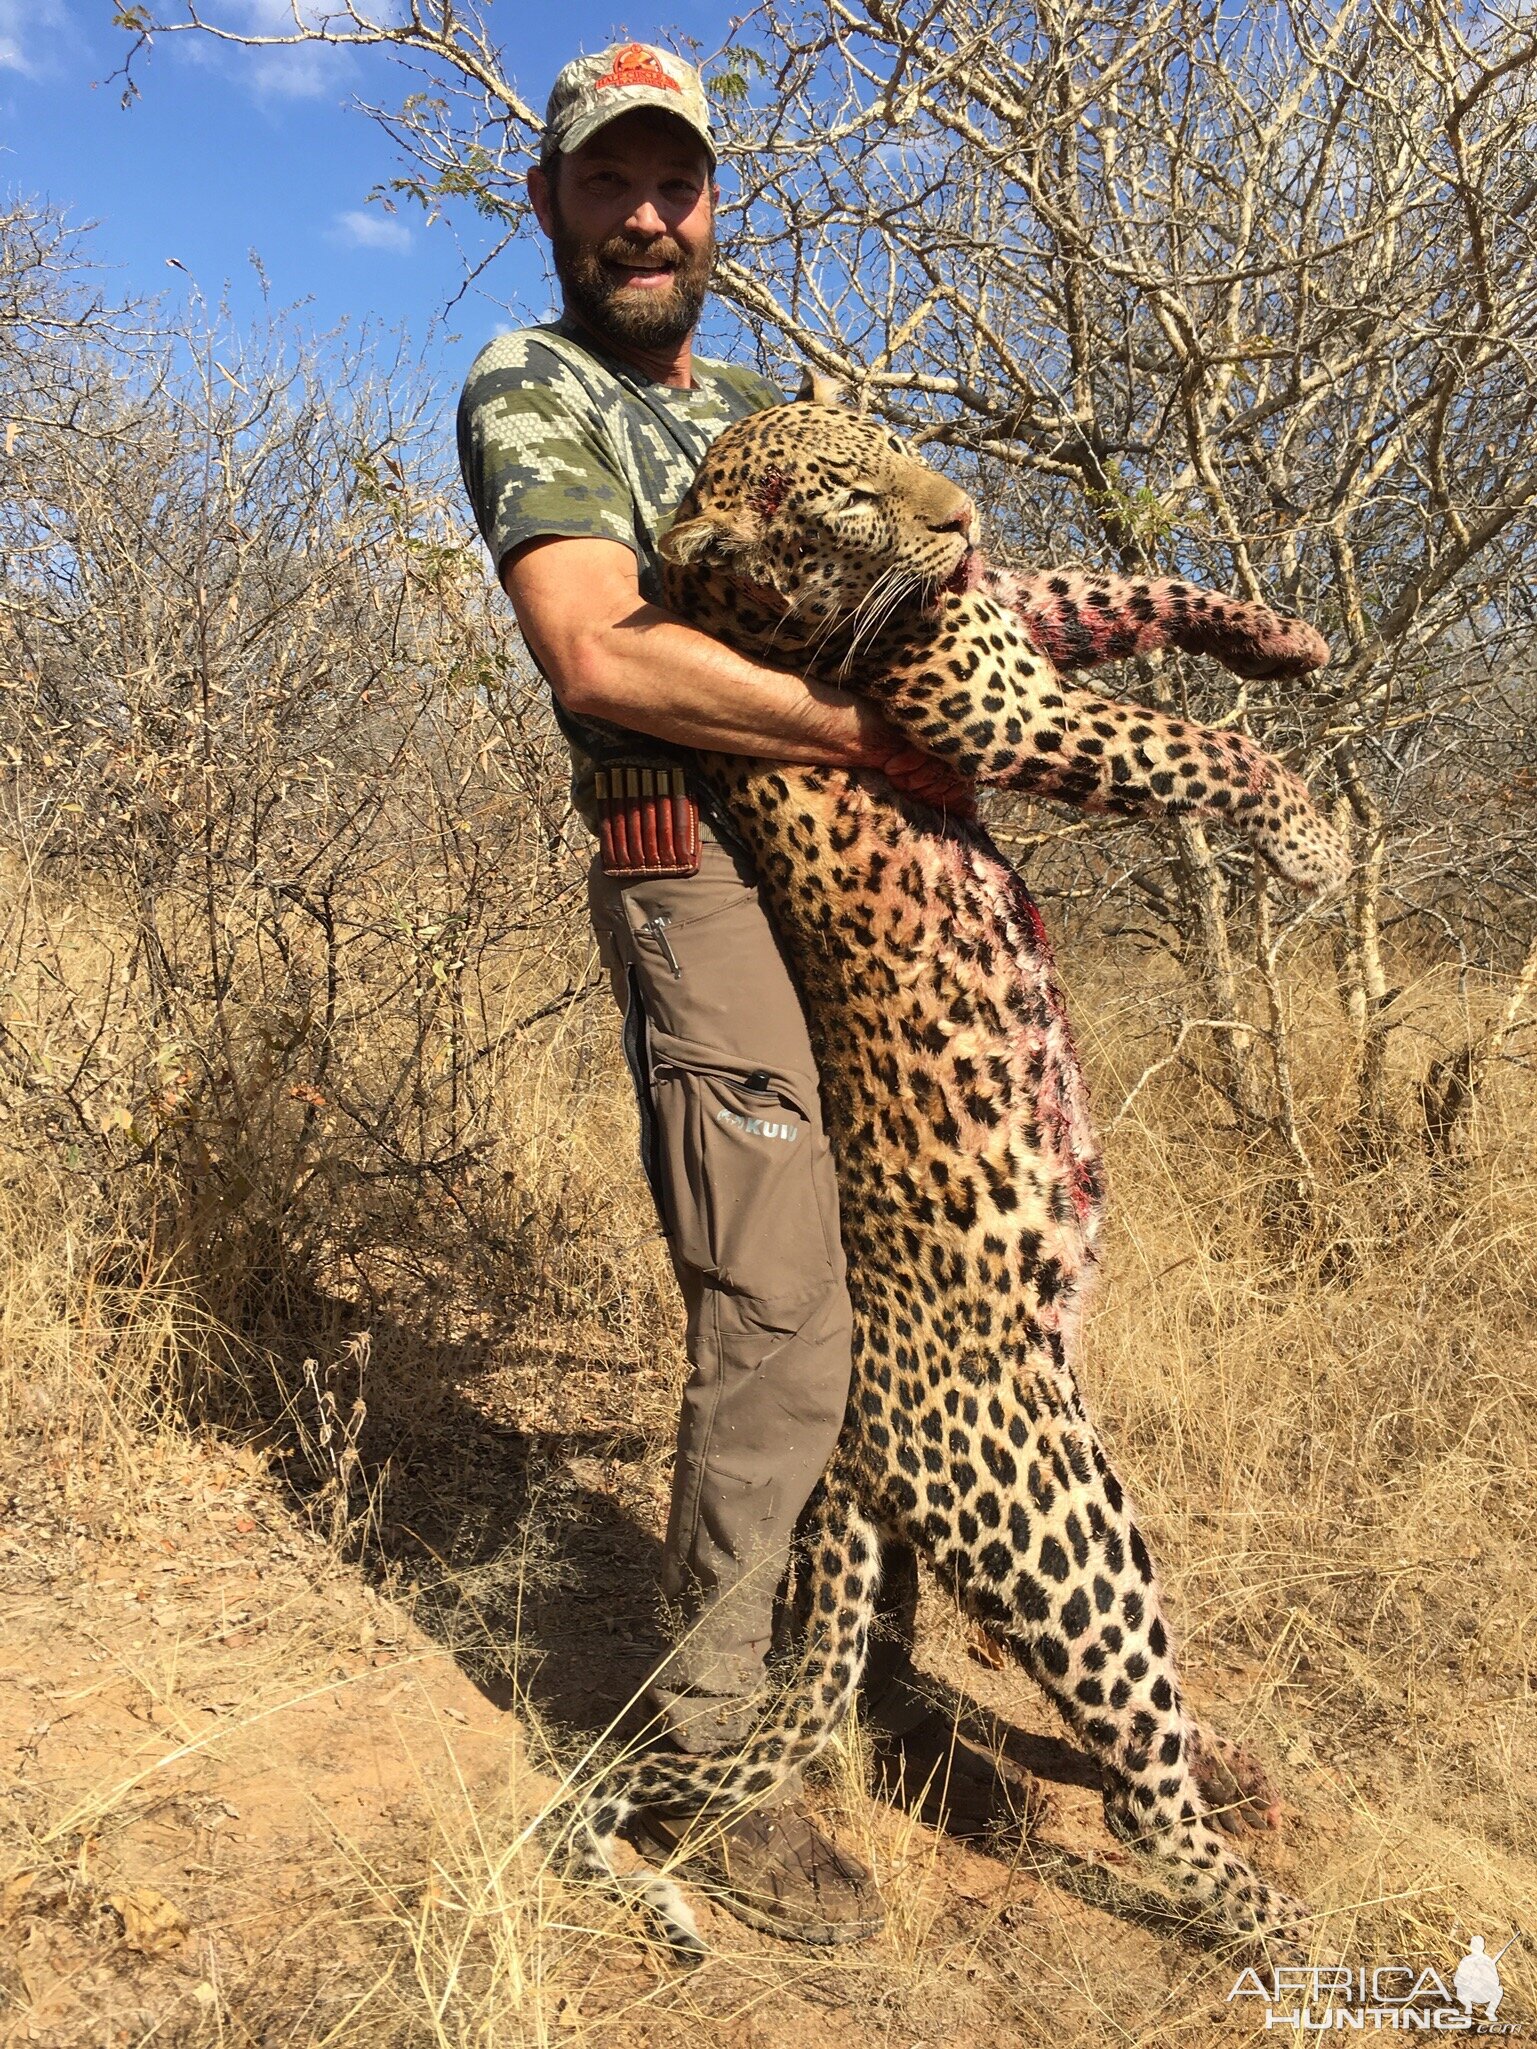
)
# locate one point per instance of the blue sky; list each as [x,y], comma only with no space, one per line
[226,153]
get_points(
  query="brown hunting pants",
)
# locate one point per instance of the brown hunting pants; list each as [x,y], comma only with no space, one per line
[739,1164]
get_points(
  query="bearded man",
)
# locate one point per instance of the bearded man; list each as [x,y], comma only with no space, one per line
[577,439]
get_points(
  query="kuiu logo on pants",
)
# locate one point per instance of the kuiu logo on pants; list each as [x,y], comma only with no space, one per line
[758,1127]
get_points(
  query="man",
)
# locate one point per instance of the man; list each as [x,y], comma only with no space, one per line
[577,440]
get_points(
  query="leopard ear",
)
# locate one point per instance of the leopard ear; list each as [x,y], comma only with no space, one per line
[704,538]
[817,390]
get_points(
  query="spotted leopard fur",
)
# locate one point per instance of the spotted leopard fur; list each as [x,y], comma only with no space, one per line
[970,1179]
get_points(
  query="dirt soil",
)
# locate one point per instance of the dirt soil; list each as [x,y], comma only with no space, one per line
[257,1793]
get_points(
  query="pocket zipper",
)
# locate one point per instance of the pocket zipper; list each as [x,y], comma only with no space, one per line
[656,928]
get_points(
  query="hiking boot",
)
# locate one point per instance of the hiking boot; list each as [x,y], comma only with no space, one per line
[774,1869]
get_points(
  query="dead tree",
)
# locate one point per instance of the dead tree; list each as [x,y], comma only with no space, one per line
[1248,297]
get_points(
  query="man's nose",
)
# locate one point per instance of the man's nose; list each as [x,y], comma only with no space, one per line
[645,220]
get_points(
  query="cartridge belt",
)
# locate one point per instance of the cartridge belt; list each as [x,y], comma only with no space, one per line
[648,823]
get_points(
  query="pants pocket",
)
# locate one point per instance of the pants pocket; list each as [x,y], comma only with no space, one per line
[636,1040]
[742,1160]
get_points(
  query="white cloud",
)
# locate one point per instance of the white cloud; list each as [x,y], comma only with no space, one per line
[303,71]
[303,74]
[371,231]
[307,70]
[31,34]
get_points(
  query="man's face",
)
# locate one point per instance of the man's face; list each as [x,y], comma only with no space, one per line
[630,218]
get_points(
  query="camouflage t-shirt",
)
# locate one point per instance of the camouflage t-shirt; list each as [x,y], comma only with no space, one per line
[557,438]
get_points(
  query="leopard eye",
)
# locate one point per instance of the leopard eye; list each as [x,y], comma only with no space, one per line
[857,495]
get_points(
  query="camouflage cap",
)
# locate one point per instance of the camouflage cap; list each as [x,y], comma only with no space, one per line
[592,91]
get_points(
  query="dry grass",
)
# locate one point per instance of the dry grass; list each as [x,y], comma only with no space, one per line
[308,1618]
[1334,1443]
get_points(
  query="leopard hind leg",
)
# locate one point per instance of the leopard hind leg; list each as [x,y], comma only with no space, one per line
[841,1551]
[1046,1555]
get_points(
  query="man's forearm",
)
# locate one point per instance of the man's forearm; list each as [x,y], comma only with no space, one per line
[615,657]
[653,674]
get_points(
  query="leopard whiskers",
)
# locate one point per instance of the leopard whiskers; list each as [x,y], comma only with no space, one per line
[882,599]
[871,613]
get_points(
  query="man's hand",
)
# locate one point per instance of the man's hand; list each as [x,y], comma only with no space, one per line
[916,774]
[930,780]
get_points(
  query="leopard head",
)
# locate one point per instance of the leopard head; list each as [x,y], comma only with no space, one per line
[817,517]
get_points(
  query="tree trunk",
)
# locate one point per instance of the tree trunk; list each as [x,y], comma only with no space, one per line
[1205,895]
[1364,982]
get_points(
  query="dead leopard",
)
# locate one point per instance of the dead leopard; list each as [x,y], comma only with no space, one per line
[969,1174]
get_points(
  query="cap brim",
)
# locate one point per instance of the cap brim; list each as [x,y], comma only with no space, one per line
[589,125]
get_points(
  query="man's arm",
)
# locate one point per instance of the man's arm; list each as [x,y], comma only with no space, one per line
[610,655]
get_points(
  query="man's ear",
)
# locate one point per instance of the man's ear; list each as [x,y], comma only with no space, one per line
[539,196]
[703,538]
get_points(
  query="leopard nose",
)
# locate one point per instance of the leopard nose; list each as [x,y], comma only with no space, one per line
[959,521]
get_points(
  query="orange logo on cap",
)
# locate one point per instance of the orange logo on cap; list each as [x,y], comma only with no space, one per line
[636,65]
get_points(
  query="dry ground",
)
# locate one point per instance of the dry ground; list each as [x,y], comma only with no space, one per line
[296,1637]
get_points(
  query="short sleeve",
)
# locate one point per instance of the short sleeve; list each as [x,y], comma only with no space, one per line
[535,459]
[758,391]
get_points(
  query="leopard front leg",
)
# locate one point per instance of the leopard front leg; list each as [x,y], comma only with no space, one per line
[1007,719]
[1079,619]
[1101,755]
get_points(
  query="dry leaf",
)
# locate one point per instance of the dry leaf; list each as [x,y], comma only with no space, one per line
[151,1923]
[13,1895]
[986,1650]
[47,1987]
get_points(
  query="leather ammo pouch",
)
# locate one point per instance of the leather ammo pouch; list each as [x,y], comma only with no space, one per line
[648,824]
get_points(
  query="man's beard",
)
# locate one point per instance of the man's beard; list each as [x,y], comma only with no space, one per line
[642,319]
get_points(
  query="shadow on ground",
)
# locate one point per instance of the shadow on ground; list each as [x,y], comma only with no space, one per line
[528,1548]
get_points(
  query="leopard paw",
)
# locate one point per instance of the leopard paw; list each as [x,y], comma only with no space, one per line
[1239,1794]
